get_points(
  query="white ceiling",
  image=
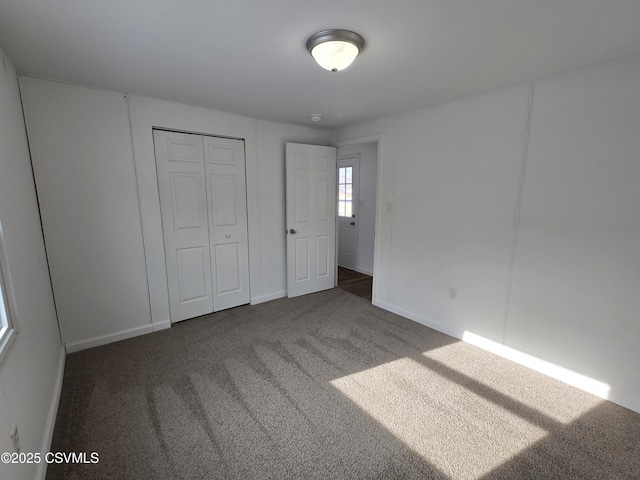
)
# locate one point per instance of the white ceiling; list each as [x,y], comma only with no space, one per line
[249,57]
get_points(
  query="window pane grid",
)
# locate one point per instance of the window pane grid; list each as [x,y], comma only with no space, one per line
[345,191]
[7,308]
[4,313]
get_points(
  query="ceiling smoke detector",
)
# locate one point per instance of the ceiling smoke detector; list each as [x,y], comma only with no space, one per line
[316,117]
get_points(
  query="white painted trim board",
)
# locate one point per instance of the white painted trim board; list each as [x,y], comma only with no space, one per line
[41,471]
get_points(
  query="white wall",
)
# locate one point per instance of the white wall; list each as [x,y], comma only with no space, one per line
[96,174]
[271,138]
[83,164]
[456,189]
[264,152]
[383,132]
[575,297]
[147,113]
[538,232]
[31,373]
[367,201]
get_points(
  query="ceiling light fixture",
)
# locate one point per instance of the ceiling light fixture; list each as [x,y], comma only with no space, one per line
[335,49]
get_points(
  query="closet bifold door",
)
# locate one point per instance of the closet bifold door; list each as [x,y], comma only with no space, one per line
[224,161]
[185,223]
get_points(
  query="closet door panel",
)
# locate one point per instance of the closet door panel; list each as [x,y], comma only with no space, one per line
[227,194]
[185,223]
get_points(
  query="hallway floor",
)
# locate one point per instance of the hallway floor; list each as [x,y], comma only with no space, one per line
[355,282]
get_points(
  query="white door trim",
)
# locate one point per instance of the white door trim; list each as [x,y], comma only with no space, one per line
[354,160]
[380,204]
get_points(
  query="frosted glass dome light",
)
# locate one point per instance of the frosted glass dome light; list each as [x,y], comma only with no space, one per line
[335,50]
[335,56]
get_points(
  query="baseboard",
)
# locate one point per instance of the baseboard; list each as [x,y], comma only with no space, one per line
[569,377]
[41,472]
[108,338]
[157,326]
[419,319]
[359,270]
[268,297]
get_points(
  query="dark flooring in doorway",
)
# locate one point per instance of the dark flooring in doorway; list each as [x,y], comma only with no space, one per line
[355,282]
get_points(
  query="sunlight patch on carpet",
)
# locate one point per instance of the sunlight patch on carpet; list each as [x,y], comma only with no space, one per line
[454,431]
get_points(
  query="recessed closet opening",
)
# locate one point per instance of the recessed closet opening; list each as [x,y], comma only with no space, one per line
[203,203]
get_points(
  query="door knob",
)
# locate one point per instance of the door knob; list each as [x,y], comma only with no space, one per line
[353,223]
[292,231]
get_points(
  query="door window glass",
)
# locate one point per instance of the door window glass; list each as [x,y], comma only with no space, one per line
[345,191]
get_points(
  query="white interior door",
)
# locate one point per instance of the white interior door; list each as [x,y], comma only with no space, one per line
[348,179]
[185,225]
[227,194]
[311,218]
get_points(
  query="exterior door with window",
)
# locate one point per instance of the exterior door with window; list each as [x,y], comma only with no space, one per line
[348,175]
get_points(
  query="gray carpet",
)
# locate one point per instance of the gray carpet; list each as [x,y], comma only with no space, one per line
[328,386]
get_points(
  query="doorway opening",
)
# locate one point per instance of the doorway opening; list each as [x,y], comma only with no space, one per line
[357,199]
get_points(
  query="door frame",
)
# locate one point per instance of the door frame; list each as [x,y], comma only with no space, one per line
[357,142]
[355,200]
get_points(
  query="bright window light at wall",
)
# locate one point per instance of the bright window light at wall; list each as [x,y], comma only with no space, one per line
[596,387]
[7,329]
[4,317]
